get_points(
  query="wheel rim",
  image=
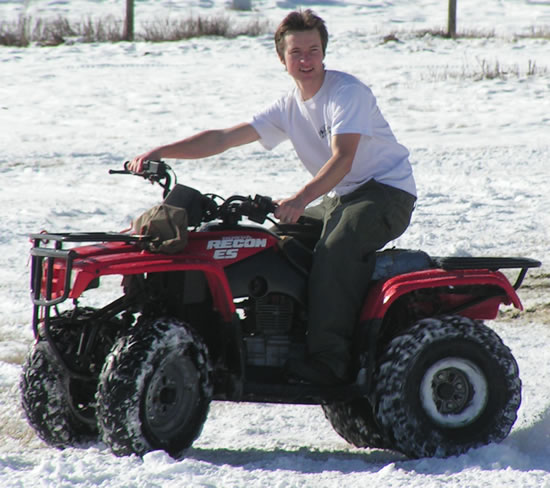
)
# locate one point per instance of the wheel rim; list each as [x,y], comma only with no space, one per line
[454,392]
[170,396]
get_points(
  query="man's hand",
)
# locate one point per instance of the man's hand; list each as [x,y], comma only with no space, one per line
[136,165]
[290,209]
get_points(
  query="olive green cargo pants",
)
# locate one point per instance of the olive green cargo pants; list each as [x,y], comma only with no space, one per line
[354,226]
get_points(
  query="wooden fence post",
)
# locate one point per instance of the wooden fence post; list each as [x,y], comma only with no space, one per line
[451,30]
[129,22]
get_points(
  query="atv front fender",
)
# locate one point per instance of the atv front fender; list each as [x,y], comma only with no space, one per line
[139,262]
[384,293]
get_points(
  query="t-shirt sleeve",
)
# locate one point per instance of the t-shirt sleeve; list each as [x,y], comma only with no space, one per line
[353,109]
[270,125]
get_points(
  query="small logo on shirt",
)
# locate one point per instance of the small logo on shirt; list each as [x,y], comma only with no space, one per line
[325,131]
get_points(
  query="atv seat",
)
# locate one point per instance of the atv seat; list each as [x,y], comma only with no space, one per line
[390,262]
[393,262]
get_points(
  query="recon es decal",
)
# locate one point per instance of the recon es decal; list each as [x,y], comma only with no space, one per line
[228,247]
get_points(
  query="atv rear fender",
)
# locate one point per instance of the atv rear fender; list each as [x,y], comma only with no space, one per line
[496,289]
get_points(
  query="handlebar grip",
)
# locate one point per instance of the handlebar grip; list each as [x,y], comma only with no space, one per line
[124,171]
[149,168]
[264,204]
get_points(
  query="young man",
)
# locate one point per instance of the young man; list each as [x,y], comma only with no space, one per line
[340,136]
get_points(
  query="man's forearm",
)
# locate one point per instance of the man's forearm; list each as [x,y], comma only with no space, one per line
[328,177]
[344,147]
[201,145]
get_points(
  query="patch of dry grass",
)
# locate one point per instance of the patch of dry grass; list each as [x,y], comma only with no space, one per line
[536,291]
[26,31]
[171,29]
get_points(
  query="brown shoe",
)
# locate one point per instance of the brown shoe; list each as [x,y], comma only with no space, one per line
[312,371]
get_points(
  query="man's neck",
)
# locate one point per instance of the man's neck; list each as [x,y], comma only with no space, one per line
[308,89]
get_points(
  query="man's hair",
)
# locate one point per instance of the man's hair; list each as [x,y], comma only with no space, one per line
[300,20]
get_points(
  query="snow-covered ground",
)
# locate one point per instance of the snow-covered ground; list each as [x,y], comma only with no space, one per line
[480,150]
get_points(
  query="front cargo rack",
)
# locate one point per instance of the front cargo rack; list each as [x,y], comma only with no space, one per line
[43,296]
[49,247]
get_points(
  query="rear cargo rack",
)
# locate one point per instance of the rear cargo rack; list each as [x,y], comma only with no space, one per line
[490,263]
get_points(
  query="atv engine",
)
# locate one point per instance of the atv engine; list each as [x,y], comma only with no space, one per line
[269,330]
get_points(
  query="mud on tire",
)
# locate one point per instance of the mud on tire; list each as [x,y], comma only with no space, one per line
[445,386]
[155,389]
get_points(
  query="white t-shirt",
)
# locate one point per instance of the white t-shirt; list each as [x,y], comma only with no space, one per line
[343,105]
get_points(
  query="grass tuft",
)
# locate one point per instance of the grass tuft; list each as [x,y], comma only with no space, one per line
[532,33]
[486,70]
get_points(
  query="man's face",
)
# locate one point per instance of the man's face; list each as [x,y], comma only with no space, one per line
[303,55]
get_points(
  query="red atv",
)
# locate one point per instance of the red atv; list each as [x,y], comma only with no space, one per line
[219,320]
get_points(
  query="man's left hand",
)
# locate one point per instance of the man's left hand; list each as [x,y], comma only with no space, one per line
[290,209]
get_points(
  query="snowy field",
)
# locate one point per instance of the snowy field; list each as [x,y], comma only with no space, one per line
[480,149]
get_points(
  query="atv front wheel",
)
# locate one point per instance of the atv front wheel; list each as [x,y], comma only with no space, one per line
[155,390]
[47,397]
[58,405]
[447,385]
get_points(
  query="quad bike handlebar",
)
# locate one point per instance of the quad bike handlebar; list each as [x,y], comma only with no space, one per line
[154,171]
[230,211]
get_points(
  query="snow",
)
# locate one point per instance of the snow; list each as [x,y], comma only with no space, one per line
[480,150]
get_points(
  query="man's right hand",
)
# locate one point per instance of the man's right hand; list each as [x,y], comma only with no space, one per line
[136,165]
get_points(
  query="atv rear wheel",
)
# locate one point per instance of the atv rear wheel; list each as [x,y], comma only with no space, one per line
[447,385]
[354,421]
[155,389]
